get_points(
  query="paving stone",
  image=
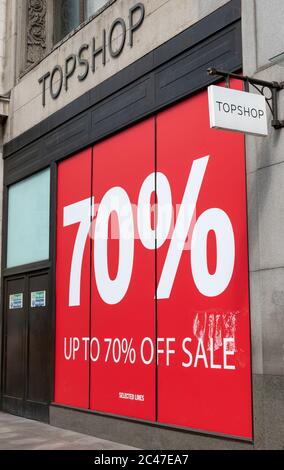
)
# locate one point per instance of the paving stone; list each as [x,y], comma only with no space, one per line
[23,434]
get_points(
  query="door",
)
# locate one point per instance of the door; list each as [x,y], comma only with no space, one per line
[14,366]
[27,365]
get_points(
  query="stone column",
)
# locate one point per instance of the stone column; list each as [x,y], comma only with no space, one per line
[36,45]
[2,42]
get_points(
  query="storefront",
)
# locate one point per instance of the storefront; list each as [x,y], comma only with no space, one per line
[125,257]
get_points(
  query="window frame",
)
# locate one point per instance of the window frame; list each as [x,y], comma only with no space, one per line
[82,19]
[33,264]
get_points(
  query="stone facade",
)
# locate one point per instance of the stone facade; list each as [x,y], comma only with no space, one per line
[262,40]
[3,102]
[2,41]
[262,24]
[29,45]
[26,107]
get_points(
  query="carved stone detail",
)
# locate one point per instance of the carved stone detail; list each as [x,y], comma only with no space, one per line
[36,30]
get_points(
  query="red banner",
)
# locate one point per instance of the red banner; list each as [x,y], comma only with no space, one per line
[123,287]
[156,224]
[208,300]
[73,279]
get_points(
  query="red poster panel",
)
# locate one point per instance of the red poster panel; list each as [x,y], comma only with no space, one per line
[202,276]
[73,280]
[123,285]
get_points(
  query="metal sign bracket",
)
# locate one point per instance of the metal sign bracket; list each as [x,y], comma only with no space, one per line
[260,86]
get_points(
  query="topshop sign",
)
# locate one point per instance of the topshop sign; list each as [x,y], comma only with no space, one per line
[152,299]
[237,110]
[112,44]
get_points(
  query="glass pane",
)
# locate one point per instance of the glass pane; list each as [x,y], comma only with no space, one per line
[66,17]
[28,220]
[92,6]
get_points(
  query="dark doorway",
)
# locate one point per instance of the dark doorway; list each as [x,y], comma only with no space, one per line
[27,346]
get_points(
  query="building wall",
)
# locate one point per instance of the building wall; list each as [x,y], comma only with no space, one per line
[262,26]
[2,62]
[2,41]
[2,90]
[163,20]
[262,22]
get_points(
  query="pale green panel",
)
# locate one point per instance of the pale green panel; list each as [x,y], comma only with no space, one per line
[92,6]
[28,220]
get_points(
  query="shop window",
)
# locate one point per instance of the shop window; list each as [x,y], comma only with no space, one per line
[180,283]
[28,220]
[92,6]
[68,14]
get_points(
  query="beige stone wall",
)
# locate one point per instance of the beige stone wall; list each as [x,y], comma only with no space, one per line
[164,19]
[2,91]
[263,38]
[10,47]
[2,42]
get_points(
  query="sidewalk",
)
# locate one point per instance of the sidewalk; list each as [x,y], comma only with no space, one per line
[23,434]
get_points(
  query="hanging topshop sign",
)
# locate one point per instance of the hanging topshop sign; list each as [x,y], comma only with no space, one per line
[237,110]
